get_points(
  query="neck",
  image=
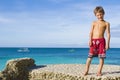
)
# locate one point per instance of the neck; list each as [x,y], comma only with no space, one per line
[100,19]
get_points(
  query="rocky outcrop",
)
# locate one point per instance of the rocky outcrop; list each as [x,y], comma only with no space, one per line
[17,69]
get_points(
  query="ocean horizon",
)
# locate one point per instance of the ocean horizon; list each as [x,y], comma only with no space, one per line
[45,56]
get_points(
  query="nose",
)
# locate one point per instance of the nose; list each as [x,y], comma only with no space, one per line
[99,16]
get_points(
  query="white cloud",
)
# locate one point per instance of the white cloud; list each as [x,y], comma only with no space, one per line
[57,28]
[6,20]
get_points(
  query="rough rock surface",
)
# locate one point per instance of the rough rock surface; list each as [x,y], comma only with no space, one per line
[17,69]
[73,72]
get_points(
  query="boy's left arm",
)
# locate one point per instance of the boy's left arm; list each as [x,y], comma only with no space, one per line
[108,36]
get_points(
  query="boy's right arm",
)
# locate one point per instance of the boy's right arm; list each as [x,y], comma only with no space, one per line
[91,34]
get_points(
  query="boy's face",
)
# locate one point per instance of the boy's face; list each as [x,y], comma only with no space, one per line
[99,16]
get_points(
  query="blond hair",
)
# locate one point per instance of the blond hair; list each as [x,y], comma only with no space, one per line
[99,9]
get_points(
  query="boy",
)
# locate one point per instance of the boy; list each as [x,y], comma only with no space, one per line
[97,43]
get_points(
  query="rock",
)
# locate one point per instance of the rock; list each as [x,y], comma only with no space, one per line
[17,69]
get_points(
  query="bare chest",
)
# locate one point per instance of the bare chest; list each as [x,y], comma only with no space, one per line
[100,26]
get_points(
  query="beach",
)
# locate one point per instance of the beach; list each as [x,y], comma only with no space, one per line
[73,72]
[26,69]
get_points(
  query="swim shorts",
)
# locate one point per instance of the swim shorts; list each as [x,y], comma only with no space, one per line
[97,49]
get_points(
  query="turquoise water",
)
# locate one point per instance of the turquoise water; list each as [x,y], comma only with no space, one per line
[45,56]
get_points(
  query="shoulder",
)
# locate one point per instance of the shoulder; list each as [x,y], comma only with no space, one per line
[94,22]
[107,23]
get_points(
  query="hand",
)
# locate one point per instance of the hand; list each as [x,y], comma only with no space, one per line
[107,47]
[90,43]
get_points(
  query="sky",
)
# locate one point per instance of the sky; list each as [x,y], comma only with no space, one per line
[54,23]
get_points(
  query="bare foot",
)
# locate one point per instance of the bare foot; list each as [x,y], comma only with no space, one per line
[86,73]
[99,74]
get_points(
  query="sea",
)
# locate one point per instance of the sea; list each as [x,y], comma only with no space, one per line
[45,56]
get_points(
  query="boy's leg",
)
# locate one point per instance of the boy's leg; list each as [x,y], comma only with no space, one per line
[101,62]
[87,66]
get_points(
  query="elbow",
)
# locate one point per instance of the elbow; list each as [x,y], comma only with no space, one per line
[108,35]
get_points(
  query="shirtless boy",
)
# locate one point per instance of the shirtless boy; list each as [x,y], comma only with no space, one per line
[98,44]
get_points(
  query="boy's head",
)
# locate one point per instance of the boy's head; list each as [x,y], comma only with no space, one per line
[99,9]
[99,12]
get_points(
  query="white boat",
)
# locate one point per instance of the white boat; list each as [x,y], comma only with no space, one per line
[71,50]
[23,50]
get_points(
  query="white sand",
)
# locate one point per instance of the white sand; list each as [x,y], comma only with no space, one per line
[77,70]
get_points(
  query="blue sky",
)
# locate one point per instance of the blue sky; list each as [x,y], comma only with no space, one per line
[54,23]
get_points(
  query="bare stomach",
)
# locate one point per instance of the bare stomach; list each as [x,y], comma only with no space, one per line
[96,36]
